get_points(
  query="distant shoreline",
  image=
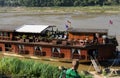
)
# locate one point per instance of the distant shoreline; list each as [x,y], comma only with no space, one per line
[62,10]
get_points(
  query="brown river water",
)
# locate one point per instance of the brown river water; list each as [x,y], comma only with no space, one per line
[82,20]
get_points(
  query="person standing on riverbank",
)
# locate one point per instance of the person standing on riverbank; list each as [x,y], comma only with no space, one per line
[72,72]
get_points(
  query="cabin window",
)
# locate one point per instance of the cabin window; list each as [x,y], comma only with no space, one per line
[5,34]
[7,47]
[56,50]
[76,51]
[87,34]
[93,52]
[38,48]
[21,47]
[1,33]
[0,48]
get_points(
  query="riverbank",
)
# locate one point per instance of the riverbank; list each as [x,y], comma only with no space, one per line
[113,72]
[62,10]
[48,60]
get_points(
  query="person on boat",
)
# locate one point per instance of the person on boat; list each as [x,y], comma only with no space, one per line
[72,72]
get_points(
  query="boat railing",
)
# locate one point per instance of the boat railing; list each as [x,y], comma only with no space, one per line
[75,42]
[57,54]
[23,51]
[5,38]
[78,56]
[39,53]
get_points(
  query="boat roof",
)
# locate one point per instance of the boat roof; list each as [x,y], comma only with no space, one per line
[40,28]
[26,28]
[82,30]
[7,28]
[32,28]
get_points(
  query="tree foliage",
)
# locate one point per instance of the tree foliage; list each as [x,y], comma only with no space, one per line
[48,3]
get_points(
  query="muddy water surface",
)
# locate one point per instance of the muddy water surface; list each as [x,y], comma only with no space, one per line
[83,20]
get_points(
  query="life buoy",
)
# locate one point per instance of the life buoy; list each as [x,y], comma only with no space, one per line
[82,43]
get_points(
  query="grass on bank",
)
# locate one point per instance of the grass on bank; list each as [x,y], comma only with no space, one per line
[14,67]
[27,68]
[89,9]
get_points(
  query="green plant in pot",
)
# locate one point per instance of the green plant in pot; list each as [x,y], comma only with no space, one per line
[24,37]
[17,37]
[31,38]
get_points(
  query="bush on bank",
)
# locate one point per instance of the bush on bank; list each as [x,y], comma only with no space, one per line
[15,67]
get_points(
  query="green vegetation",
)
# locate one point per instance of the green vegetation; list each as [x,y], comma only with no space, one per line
[46,3]
[60,10]
[27,68]
[16,68]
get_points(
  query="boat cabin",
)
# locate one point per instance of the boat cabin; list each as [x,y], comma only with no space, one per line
[45,41]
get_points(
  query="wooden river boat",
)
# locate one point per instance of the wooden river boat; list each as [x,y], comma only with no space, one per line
[45,41]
